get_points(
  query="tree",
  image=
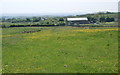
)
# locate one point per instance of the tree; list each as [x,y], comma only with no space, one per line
[92,19]
[3,19]
[28,20]
[102,19]
[108,19]
[61,19]
[35,19]
[13,20]
[112,19]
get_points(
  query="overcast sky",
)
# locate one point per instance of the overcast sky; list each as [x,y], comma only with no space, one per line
[57,6]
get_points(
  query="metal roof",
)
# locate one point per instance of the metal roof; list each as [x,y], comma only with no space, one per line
[76,19]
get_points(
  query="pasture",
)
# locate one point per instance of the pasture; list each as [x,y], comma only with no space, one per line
[59,50]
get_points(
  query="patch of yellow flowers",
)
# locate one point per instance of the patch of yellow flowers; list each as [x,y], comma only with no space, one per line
[5,35]
[95,30]
[46,34]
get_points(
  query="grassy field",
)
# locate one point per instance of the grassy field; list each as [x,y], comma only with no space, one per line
[60,50]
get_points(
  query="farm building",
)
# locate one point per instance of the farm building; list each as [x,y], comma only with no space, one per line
[76,21]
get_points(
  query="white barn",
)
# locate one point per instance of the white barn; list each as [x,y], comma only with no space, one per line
[77,21]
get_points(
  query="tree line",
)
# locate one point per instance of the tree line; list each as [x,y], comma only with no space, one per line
[56,20]
[101,19]
[31,21]
[38,20]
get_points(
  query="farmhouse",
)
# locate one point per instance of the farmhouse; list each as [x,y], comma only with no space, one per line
[76,21]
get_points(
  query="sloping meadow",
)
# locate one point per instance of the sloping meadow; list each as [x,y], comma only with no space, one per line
[60,50]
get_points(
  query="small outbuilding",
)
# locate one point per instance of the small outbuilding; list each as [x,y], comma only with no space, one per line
[77,21]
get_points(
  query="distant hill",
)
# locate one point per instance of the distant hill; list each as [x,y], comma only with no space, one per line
[99,14]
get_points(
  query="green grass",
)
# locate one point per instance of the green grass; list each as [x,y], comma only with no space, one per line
[59,50]
[0,51]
